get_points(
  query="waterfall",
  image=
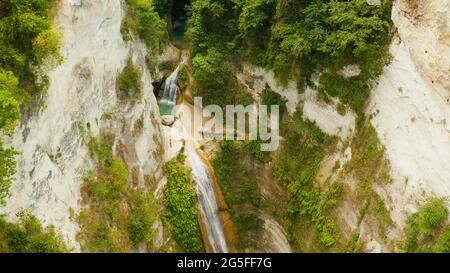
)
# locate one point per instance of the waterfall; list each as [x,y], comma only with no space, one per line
[171,88]
[207,200]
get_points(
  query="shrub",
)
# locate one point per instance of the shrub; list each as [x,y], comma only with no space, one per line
[269,97]
[431,216]
[129,81]
[46,44]
[183,78]
[28,236]
[424,225]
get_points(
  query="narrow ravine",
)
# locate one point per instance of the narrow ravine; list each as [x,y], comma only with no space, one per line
[206,194]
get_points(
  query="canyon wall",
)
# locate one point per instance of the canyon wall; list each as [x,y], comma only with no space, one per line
[80,101]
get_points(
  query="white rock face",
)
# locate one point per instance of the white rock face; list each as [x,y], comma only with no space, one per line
[424,27]
[413,123]
[324,115]
[82,89]
[261,77]
[275,235]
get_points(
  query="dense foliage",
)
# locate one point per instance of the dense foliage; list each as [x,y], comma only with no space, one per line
[295,38]
[143,19]
[181,209]
[428,229]
[27,38]
[269,98]
[117,217]
[28,236]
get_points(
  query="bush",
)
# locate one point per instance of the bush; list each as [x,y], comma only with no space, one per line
[129,81]
[269,98]
[424,225]
[431,216]
[183,78]
[28,236]
[9,103]
[46,44]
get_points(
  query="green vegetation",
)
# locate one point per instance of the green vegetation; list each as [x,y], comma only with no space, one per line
[129,81]
[28,236]
[296,167]
[181,209]
[369,166]
[183,78]
[117,218]
[295,39]
[427,230]
[270,97]
[142,19]
[9,114]
[27,38]
[215,76]
[163,7]
[9,100]
[31,39]
[239,184]
[7,171]
[443,243]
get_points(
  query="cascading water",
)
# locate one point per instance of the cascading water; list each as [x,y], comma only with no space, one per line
[207,200]
[204,182]
[170,95]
